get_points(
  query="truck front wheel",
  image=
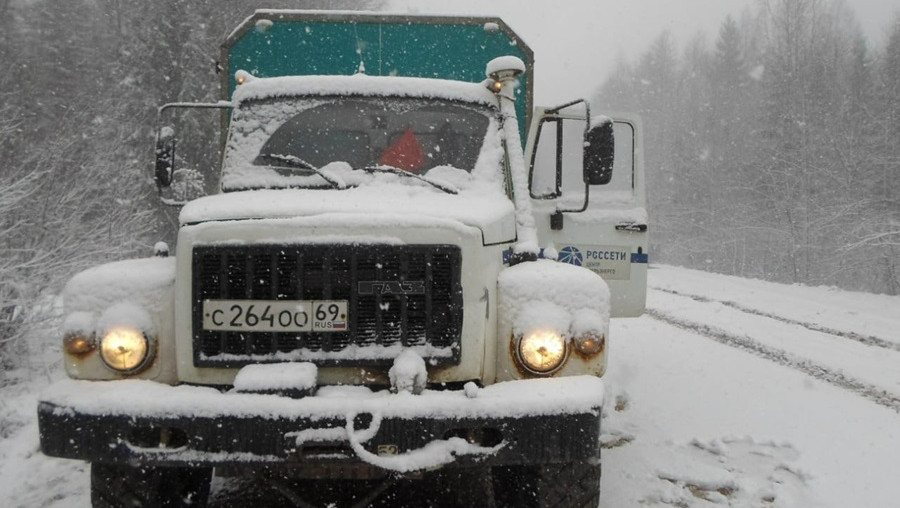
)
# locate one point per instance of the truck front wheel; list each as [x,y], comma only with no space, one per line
[569,485]
[120,486]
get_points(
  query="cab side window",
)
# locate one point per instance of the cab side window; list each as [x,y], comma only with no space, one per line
[557,173]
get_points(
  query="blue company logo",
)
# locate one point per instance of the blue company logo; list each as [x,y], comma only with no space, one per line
[571,255]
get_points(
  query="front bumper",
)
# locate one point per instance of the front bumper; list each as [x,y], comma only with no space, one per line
[135,421]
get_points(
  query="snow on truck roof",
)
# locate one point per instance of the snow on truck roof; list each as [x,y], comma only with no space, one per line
[360,84]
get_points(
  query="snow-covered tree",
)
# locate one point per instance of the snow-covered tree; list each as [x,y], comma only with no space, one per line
[78,96]
[773,153]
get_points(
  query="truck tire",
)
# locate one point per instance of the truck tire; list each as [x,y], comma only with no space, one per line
[120,486]
[569,485]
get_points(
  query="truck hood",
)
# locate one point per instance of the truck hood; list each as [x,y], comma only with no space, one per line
[491,212]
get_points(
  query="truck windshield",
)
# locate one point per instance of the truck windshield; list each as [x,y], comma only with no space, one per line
[412,135]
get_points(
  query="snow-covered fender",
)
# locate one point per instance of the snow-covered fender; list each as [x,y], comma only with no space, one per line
[132,295]
[554,321]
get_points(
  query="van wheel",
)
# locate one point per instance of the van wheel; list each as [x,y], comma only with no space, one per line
[119,486]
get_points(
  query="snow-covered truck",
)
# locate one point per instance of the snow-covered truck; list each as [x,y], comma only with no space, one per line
[407,271]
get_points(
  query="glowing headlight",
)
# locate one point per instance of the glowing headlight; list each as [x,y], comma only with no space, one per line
[125,349]
[542,351]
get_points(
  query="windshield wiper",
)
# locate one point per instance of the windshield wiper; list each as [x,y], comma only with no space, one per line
[397,171]
[293,161]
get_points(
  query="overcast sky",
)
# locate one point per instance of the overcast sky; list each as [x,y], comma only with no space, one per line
[583,39]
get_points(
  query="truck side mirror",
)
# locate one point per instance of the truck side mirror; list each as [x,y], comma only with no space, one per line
[599,153]
[165,156]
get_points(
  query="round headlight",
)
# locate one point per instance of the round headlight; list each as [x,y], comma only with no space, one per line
[542,351]
[124,349]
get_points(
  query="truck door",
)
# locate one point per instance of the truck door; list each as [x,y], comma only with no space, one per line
[602,227]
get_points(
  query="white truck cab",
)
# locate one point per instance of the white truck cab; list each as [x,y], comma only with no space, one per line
[600,227]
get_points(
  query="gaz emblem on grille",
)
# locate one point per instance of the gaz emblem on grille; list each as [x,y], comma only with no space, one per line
[391,287]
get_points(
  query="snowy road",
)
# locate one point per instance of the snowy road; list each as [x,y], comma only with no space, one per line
[745,393]
[728,392]
[869,367]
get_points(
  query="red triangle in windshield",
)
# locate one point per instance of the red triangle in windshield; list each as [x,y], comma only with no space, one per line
[406,153]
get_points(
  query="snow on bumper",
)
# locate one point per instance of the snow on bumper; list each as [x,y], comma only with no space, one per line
[517,422]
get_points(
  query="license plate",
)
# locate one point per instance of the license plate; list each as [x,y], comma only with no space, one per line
[275,315]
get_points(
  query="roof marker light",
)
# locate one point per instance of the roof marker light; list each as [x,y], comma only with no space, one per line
[503,71]
[241,77]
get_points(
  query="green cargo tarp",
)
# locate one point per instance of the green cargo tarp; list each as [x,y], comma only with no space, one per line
[287,43]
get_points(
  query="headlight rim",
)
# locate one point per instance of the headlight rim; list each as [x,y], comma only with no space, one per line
[567,350]
[140,366]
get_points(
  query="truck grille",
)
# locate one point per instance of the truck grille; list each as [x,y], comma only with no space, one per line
[381,321]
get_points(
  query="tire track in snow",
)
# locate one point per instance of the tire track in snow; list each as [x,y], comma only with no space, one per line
[868,340]
[820,372]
